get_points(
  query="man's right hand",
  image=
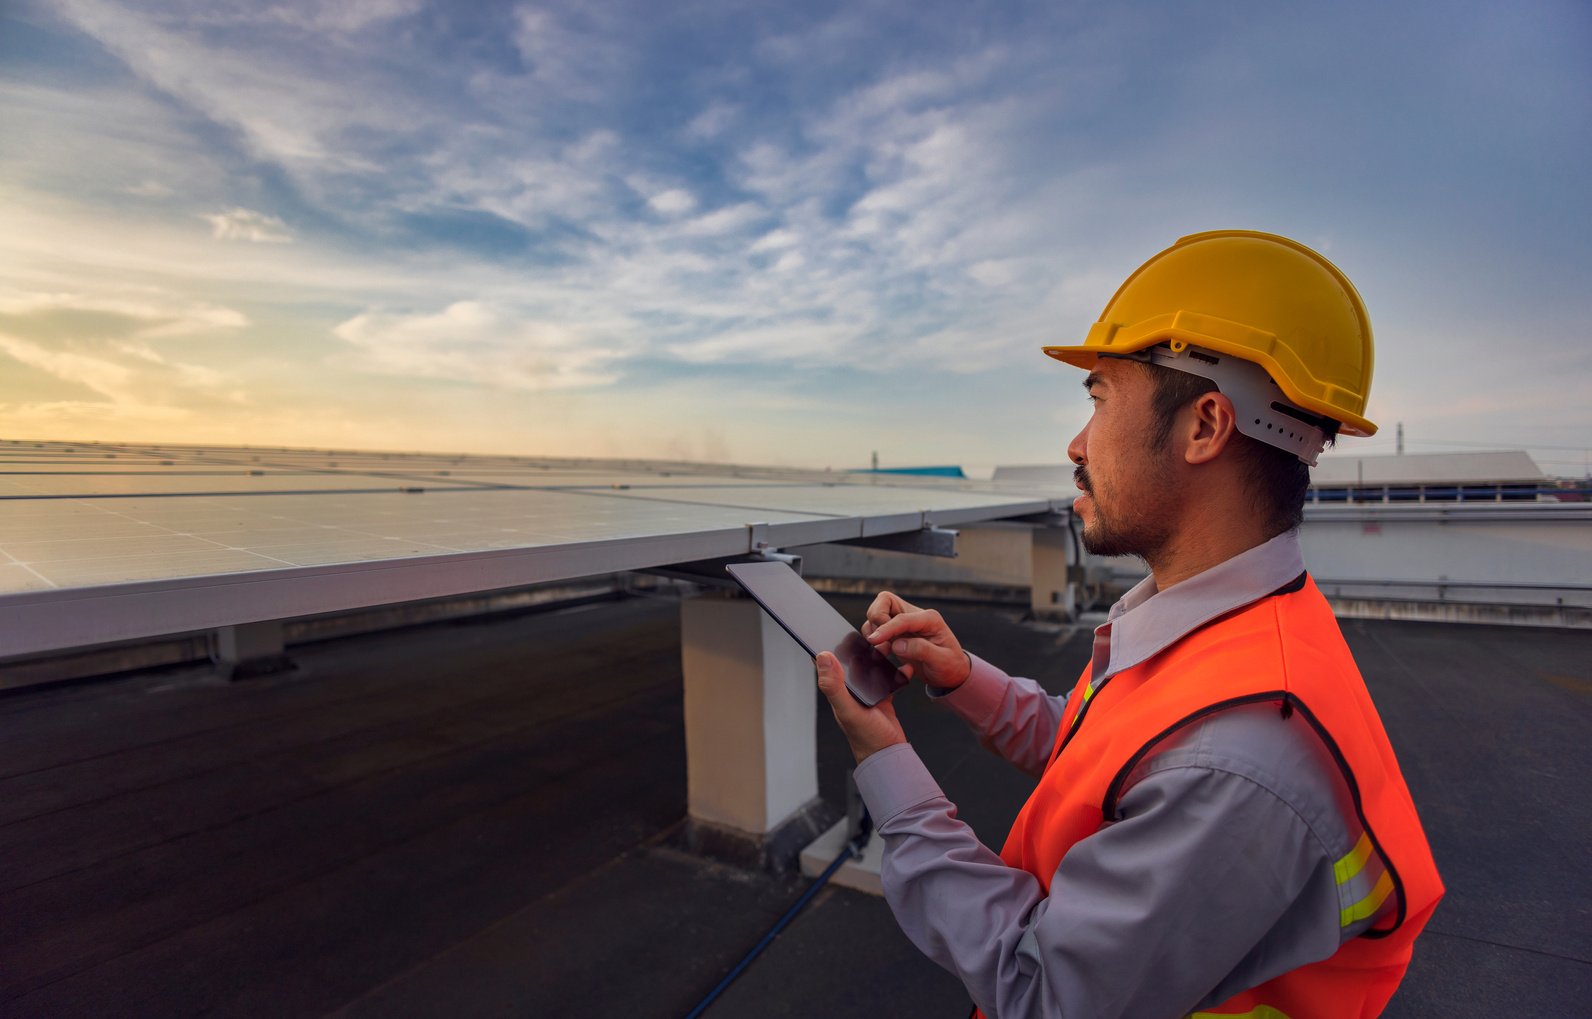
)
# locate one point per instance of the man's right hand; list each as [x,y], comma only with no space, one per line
[920,639]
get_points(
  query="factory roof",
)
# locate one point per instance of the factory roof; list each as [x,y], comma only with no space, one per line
[1494,467]
[1340,468]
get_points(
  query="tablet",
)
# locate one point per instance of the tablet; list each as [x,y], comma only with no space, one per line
[870,676]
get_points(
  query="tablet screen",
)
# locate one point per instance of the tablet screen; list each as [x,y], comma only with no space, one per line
[818,627]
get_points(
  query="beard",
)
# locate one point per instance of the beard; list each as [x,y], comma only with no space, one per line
[1136,523]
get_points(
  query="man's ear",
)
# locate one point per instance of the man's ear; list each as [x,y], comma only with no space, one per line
[1210,424]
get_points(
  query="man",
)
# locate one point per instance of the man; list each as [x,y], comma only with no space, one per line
[1220,826]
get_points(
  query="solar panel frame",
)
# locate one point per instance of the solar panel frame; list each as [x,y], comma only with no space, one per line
[103,554]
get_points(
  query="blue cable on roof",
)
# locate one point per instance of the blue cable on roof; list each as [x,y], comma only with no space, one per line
[852,848]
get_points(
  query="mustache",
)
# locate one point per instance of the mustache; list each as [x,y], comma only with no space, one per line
[1080,476]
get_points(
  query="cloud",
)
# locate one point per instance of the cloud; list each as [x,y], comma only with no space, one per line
[672,202]
[148,189]
[101,374]
[772,341]
[295,112]
[149,312]
[549,189]
[883,211]
[573,60]
[571,182]
[90,418]
[239,224]
[475,342]
[343,15]
[104,340]
[864,211]
[711,122]
[131,375]
[727,220]
[775,240]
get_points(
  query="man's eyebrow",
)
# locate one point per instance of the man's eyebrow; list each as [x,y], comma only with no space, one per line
[1091,380]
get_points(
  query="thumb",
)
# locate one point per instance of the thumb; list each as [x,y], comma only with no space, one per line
[831,678]
[832,684]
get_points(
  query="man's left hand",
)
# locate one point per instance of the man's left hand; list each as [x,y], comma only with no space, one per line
[868,730]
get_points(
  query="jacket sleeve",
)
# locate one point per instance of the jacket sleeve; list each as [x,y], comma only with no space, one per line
[1144,918]
[1011,716]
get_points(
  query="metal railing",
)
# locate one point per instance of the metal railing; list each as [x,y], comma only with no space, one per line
[1467,584]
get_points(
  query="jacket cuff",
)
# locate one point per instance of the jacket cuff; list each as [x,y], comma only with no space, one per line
[980,696]
[892,780]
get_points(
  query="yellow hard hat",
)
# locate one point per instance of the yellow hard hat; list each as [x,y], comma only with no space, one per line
[1253,296]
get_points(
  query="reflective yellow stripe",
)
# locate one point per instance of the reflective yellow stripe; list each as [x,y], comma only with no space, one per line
[1258,1012]
[1077,716]
[1350,865]
[1368,905]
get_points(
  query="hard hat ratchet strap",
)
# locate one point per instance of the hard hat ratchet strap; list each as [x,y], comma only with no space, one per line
[1264,413]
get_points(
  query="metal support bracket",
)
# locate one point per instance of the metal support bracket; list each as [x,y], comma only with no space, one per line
[759,549]
[711,571]
[932,541]
[1050,518]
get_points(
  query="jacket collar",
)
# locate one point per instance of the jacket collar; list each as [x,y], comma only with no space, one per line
[1146,621]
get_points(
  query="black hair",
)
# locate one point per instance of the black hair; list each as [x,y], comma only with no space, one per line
[1277,479]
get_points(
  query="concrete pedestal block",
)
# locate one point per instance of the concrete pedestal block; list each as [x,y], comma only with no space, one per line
[860,873]
[750,716]
[1054,592]
[250,649]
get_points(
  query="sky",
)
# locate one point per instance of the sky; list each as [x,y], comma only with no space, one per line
[763,233]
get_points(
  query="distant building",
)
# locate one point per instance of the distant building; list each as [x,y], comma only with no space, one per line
[922,472]
[1033,474]
[1501,476]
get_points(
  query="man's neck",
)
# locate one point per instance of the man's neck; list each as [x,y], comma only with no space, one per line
[1199,547]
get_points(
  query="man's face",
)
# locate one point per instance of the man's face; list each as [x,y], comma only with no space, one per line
[1128,487]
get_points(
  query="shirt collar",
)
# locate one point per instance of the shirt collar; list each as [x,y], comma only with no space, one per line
[1146,621]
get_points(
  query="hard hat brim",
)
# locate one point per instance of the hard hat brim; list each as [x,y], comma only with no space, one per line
[1126,341]
[1252,296]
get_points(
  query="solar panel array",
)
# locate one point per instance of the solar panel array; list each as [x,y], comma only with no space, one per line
[102,542]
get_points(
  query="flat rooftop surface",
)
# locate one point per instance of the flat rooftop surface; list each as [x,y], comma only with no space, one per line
[475,819]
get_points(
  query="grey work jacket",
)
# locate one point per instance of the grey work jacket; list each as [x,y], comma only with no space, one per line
[1218,876]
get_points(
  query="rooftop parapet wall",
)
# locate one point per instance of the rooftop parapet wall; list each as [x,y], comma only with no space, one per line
[1455,473]
[1527,563]
[1491,557]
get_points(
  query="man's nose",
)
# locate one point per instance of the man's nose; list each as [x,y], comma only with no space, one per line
[1076,448]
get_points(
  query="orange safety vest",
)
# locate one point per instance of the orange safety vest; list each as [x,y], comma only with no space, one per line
[1285,649]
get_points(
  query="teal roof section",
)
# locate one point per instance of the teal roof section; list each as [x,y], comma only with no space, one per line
[921,472]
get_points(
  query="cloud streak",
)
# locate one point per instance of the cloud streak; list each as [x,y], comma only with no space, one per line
[124,374]
[480,344]
[150,312]
[248,225]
